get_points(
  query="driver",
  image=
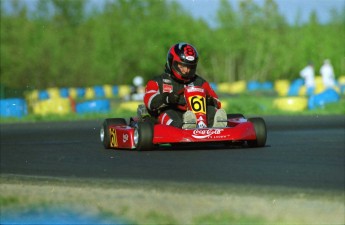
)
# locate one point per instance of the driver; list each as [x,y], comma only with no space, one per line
[162,97]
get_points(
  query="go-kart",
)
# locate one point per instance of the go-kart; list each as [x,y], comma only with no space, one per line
[143,132]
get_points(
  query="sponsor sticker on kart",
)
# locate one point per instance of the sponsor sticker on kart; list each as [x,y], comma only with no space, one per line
[195,89]
[113,138]
[201,124]
[190,58]
[125,138]
[197,104]
[167,88]
[167,81]
[207,133]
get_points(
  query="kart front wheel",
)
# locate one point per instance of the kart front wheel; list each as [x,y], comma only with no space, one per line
[261,132]
[143,136]
[105,134]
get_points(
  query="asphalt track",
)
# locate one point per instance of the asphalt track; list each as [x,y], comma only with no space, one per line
[302,152]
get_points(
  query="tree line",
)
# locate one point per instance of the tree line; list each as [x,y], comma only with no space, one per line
[65,43]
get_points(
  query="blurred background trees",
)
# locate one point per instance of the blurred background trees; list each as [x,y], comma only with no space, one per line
[64,43]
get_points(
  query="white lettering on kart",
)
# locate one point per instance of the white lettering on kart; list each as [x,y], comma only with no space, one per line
[194,89]
[202,134]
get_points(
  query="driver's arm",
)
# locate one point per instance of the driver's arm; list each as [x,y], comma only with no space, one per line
[153,98]
[211,93]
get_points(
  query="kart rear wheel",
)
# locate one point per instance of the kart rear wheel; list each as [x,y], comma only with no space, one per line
[144,136]
[261,132]
[104,132]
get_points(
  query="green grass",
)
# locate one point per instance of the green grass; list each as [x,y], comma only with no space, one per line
[226,217]
[159,202]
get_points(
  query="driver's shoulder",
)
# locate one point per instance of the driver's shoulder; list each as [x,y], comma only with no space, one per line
[199,80]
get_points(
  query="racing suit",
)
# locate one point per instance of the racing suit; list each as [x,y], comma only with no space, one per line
[171,114]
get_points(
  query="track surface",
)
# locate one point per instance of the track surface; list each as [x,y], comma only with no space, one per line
[305,152]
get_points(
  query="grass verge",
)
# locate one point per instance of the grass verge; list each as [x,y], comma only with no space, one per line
[30,199]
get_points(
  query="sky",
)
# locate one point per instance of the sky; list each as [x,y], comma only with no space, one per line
[207,9]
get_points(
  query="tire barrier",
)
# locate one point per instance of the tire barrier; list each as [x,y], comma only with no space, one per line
[55,106]
[320,100]
[50,101]
[282,87]
[295,87]
[236,87]
[115,90]
[43,95]
[224,88]
[267,86]
[93,106]
[303,91]
[291,104]
[72,93]
[13,107]
[90,93]
[32,95]
[253,86]
[64,93]
[54,92]
[259,86]
[81,92]
[99,91]
[131,106]
[108,91]
[124,90]
[105,91]
[319,87]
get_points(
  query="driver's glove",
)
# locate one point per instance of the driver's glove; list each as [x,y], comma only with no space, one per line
[170,98]
[211,101]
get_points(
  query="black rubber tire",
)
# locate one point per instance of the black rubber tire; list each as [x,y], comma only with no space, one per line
[237,115]
[260,130]
[145,132]
[106,136]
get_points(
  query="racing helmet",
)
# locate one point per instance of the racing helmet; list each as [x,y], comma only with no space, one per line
[184,54]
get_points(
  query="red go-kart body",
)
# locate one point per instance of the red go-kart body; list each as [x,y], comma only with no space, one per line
[145,134]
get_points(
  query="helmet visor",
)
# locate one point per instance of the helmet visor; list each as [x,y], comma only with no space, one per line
[186,70]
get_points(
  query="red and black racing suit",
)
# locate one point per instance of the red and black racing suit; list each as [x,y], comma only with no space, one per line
[172,114]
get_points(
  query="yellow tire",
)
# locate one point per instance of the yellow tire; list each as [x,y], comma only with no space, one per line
[292,104]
